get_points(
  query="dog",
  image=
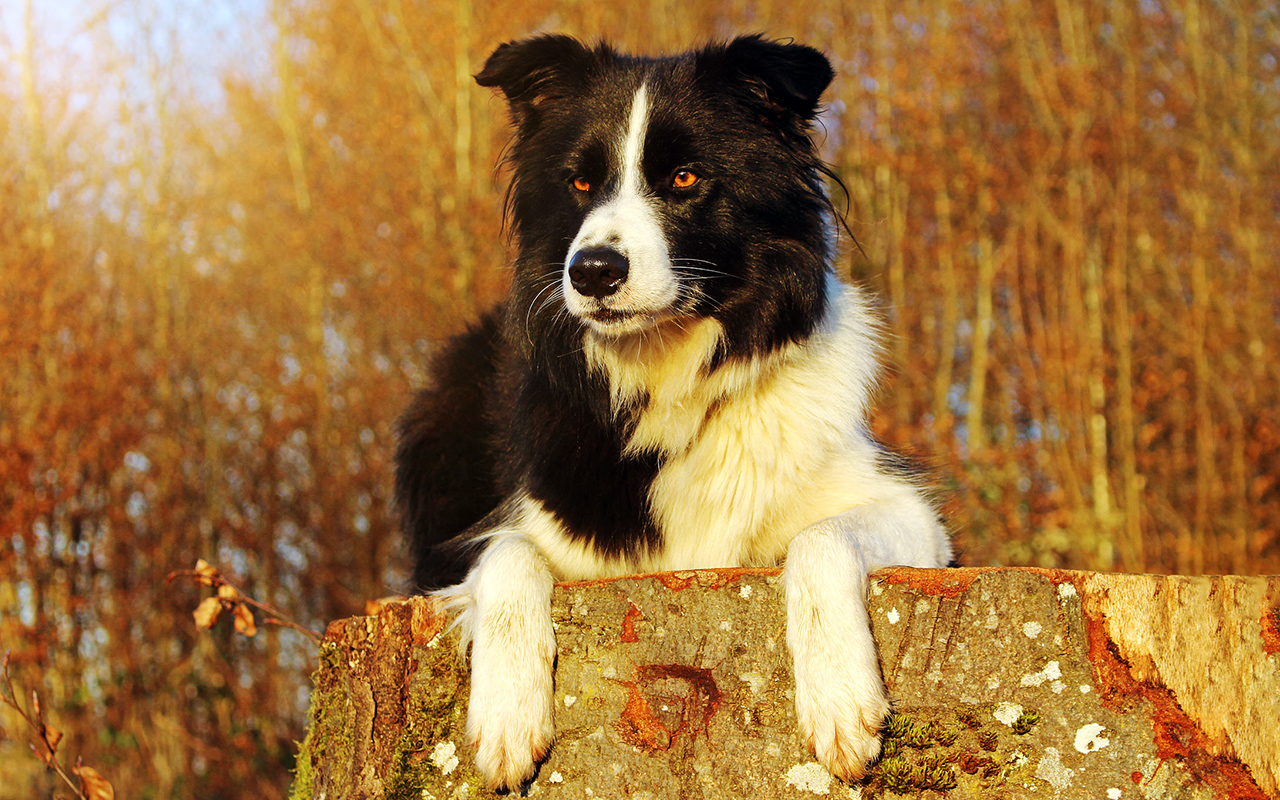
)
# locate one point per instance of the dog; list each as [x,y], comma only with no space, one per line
[677,380]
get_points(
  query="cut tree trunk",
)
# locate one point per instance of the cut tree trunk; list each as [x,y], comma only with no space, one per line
[1007,683]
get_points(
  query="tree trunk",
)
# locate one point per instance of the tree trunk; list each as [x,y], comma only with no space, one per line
[1006,683]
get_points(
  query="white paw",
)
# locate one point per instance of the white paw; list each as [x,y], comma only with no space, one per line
[509,718]
[840,698]
[513,648]
[840,716]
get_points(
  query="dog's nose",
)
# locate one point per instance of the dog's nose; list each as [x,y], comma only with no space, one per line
[598,271]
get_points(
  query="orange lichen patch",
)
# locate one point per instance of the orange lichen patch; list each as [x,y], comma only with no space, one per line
[1177,735]
[676,581]
[665,701]
[429,619]
[681,579]
[1271,631]
[629,623]
[953,582]
[936,582]
[638,725]
[708,578]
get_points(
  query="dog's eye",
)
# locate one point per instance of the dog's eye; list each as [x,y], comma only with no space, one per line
[684,178]
[581,184]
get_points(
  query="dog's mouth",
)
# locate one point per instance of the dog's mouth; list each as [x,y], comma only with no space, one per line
[613,316]
[616,322]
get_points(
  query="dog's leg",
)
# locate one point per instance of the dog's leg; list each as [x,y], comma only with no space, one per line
[513,647]
[841,702]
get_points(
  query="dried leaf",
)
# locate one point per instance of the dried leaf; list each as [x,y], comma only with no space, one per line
[51,736]
[244,620]
[228,592]
[93,786]
[206,572]
[207,613]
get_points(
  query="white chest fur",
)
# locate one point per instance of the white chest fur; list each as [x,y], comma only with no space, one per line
[756,450]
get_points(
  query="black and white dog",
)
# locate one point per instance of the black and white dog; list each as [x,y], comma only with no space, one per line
[677,380]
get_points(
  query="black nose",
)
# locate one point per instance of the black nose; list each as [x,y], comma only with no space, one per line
[598,271]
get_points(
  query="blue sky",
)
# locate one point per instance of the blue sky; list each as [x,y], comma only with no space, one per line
[198,38]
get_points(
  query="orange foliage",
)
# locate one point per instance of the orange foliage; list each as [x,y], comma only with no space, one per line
[212,309]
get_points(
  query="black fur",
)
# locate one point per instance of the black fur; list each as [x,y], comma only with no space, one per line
[447,476]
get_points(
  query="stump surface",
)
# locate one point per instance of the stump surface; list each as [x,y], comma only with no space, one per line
[1007,683]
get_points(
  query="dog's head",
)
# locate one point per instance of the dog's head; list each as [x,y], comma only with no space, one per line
[648,190]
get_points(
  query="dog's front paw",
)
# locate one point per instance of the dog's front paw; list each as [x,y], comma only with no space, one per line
[513,650]
[841,702]
[509,718]
[840,716]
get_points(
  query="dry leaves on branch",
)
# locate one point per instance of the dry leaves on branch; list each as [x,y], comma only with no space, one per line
[237,603]
[228,598]
[92,785]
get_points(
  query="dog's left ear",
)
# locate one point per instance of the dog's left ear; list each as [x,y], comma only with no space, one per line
[789,77]
[532,71]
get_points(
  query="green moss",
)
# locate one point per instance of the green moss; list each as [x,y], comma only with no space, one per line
[928,748]
[894,775]
[301,786]
[919,737]
[936,774]
[302,778]
[945,736]
[434,694]
[327,729]
[407,780]
[890,748]
[900,775]
[898,726]
[1025,722]
[435,707]
[903,730]
[917,755]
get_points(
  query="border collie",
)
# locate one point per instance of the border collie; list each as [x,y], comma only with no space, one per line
[677,380]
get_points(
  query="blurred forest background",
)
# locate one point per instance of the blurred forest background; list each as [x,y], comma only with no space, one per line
[218,289]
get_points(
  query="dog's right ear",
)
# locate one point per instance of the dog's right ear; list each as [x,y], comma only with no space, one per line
[533,71]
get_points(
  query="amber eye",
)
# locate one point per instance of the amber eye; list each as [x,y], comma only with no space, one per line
[684,178]
[581,184]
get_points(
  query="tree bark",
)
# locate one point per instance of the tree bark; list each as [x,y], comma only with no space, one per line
[1006,683]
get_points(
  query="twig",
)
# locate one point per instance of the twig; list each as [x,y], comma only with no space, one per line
[48,735]
[278,619]
[230,598]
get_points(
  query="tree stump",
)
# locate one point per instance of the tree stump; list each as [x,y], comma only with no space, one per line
[1007,683]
